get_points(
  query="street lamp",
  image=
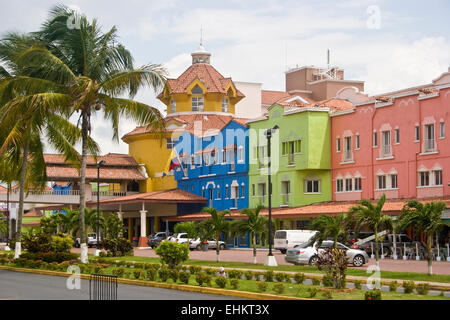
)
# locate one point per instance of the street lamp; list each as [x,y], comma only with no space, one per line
[270,260]
[99,164]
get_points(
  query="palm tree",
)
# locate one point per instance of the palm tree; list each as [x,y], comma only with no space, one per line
[26,118]
[190,227]
[368,215]
[68,221]
[426,218]
[328,227]
[216,225]
[254,224]
[95,71]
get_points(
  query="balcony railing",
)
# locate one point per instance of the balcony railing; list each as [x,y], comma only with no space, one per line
[348,155]
[291,158]
[285,199]
[386,149]
[429,145]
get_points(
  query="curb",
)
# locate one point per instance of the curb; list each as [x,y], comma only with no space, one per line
[181,287]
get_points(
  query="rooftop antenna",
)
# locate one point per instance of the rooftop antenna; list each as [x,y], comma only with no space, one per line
[328,58]
[201,35]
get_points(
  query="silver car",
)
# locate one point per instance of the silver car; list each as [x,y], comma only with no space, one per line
[195,244]
[307,254]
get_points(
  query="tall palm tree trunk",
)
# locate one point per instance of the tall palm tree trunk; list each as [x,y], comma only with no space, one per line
[430,257]
[377,254]
[84,132]
[217,251]
[23,170]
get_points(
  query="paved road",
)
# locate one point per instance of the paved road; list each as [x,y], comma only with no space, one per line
[27,286]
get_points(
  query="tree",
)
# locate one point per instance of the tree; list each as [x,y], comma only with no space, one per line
[426,218]
[368,215]
[113,227]
[327,227]
[29,111]
[190,227]
[254,224]
[216,225]
[95,71]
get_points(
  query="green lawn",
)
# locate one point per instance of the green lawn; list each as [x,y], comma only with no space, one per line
[305,269]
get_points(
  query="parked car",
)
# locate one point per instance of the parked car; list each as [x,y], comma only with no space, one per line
[307,254]
[179,237]
[91,240]
[155,239]
[386,246]
[195,244]
[287,239]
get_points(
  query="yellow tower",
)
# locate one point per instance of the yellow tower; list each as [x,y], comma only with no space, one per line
[201,89]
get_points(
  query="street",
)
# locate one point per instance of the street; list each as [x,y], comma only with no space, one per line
[27,286]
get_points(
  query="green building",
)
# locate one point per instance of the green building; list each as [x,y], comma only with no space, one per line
[300,155]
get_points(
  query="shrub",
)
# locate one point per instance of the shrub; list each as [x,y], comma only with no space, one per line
[423,288]
[234,283]
[299,278]
[268,276]
[334,263]
[184,277]
[278,288]
[163,273]
[199,277]
[172,253]
[184,268]
[235,274]
[173,274]
[221,282]
[210,271]
[117,247]
[279,276]
[312,291]
[327,294]
[248,275]
[259,275]
[139,265]
[119,271]
[195,269]
[327,281]
[207,279]
[393,286]
[358,284]
[61,243]
[315,281]
[262,286]
[138,273]
[103,254]
[151,274]
[50,256]
[99,269]
[409,286]
[373,295]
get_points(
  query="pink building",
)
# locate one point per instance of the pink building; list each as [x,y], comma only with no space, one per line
[397,144]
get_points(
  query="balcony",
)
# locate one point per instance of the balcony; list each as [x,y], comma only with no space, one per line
[285,199]
[348,155]
[291,158]
[386,150]
[429,145]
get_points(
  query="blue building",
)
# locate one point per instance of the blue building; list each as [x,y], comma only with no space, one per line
[214,160]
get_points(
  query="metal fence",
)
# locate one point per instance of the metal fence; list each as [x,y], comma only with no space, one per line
[102,287]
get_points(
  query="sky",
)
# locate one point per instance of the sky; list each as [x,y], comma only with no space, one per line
[388,44]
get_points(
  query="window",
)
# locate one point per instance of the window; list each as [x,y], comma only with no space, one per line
[262,156]
[197,103]
[358,184]
[437,177]
[197,90]
[242,190]
[298,146]
[173,106]
[203,192]
[192,161]
[225,105]
[227,192]
[170,144]
[339,185]
[375,139]
[206,159]
[381,182]
[253,190]
[338,145]
[424,178]
[417,133]
[429,138]
[397,136]
[386,140]
[312,186]
[442,130]
[241,154]
[218,192]
[285,191]
[394,181]
[348,184]
[358,145]
[348,148]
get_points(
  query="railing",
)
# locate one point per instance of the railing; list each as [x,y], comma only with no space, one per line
[348,156]
[49,192]
[429,145]
[285,198]
[291,158]
[110,193]
[102,287]
[261,199]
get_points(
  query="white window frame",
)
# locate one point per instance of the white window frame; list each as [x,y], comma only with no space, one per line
[339,185]
[357,142]
[357,184]
[198,103]
[397,136]
[313,181]
[173,106]
[225,105]
[442,129]
[241,154]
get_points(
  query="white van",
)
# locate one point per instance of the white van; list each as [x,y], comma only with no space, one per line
[287,239]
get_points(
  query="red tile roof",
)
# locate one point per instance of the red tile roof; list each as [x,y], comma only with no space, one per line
[270,97]
[336,104]
[207,74]
[391,207]
[163,196]
[203,121]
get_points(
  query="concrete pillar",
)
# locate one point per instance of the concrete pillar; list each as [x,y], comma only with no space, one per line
[143,237]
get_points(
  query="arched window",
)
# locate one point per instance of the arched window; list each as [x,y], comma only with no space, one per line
[225,105]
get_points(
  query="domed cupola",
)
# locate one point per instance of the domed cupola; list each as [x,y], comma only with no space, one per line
[201,55]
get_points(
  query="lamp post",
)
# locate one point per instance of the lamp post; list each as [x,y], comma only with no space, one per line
[99,164]
[270,260]
[7,218]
